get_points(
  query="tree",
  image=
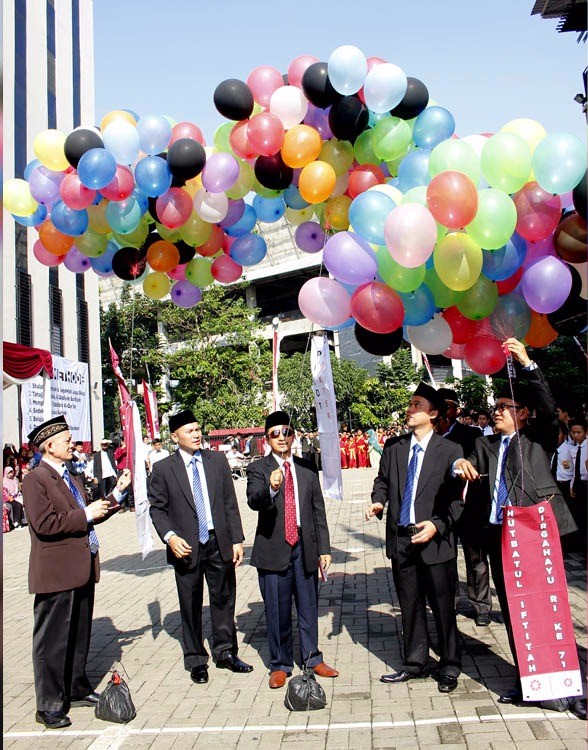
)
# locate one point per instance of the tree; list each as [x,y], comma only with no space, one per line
[472,391]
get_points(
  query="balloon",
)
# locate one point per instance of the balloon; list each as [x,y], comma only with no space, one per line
[546,285]
[579,197]
[102,264]
[185,294]
[154,133]
[44,185]
[122,140]
[33,219]
[45,257]
[245,224]
[78,142]
[479,301]
[74,194]
[289,104]
[309,237]
[293,199]
[363,177]
[117,114]
[457,156]
[317,87]
[97,217]
[124,216]
[391,138]
[377,307]
[378,344]
[249,250]
[531,131]
[570,239]
[213,244]
[316,181]
[540,332]
[414,101]
[212,207]
[363,148]
[163,256]
[198,272]
[452,198]
[399,277]
[433,125]
[385,87]
[502,263]
[220,172]
[297,217]
[324,301]
[410,234]
[68,220]
[484,355]
[458,261]
[463,329]
[350,259]
[265,133]
[298,67]
[121,186]
[433,337]
[49,149]
[510,284]
[538,212]
[233,99]
[506,162]
[153,176]
[185,159]
[419,306]
[414,169]
[571,318]
[348,117]
[494,221]
[234,213]
[367,215]
[96,168]
[442,294]
[156,285]
[273,173]
[244,182]
[91,244]
[318,119]
[18,199]
[268,210]
[337,212]
[186,130]
[559,162]
[302,144]
[510,317]
[347,68]
[129,263]
[76,262]
[455,351]
[262,82]
[339,154]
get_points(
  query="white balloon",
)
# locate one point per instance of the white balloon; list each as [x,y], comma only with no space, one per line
[289,104]
[433,337]
[211,207]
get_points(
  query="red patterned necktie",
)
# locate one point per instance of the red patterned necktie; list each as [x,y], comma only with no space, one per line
[290,528]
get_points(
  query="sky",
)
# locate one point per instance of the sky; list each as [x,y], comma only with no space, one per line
[486,62]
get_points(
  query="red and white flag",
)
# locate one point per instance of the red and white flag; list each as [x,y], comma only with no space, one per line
[276,361]
[152,417]
[123,391]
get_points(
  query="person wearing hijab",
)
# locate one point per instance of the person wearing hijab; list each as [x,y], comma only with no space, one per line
[12,498]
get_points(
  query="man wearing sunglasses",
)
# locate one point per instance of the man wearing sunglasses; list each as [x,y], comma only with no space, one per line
[291,542]
[513,469]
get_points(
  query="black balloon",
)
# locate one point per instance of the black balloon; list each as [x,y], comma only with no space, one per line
[129,263]
[152,208]
[186,158]
[571,318]
[187,252]
[414,101]
[78,142]
[317,87]
[348,118]
[379,344]
[271,172]
[579,196]
[233,99]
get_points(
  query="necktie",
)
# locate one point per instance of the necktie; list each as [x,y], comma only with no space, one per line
[290,528]
[203,535]
[577,469]
[406,504]
[502,493]
[92,536]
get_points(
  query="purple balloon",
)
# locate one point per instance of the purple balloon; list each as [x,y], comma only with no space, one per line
[350,258]
[44,185]
[220,172]
[309,237]
[234,213]
[76,262]
[546,284]
[538,250]
[318,119]
[184,294]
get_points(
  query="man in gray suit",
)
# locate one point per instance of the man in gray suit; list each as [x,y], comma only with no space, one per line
[194,510]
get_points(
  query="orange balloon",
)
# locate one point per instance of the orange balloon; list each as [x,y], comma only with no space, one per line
[540,332]
[117,114]
[302,144]
[452,198]
[53,240]
[316,181]
[337,213]
[97,218]
[163,256]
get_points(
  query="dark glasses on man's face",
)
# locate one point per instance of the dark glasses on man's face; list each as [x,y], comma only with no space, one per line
[277,431]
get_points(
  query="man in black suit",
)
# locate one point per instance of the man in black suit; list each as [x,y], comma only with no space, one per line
[475,558]
[513,469]
[424,503]
[291,541]
[195,512]
[104,468]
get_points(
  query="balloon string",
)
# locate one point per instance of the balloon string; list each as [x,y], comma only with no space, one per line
[132,338]
[511,378]
[577,340]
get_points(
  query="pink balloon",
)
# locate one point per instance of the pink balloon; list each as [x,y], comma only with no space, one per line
[324,301]
[74,194]
[484,355]
[455,351]
[121,186]
[377,307]
[538,212]
[178,273]
[538,250]
[262,82]
[410,233]
[265,133]
[546,285]
[174,208]
[45,257]
[186,130]
[239,141]
[225,270]
[297,68]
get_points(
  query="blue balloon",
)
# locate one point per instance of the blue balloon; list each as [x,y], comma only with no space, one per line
[419,306]
[96,168]
[269,210]
[248,250]
[141,199]
[293,199]
[414,170]
[152,176]
[123,216]
[68,220]
[245,223]
[502,263]
[102,265]
[30,167]
[34,219]
[432,126]
[367,215]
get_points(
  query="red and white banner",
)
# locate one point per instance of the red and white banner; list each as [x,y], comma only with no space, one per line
[122,386]
[535,581]
[429,371]
[276,361]
[152,417]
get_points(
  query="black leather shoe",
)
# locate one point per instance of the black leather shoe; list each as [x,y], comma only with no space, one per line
[89,700]
[578,708]
[233,663]
[447,683]
[199,674]
[483,619]
[53,719]
[512,697]
[402,676]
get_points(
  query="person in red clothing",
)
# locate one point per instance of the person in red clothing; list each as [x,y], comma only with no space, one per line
[361,449]
[352,453]
[343,449]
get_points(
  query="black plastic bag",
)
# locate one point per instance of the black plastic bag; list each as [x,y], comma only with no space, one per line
[115,702]
[304,693]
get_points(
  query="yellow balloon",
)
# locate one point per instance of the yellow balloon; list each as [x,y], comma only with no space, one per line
[317,181]
[458,261]
[531,131]
[244,182]
[92,244]
[156,285]
[117,114]
[195,231]
[18,199]
[171,235]
[49,150]
[299,216]
[337,212]
[97,218]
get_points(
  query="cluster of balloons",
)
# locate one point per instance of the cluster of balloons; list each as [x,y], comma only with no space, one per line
[452,243]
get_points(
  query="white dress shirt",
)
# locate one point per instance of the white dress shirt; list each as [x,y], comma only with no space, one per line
[420,458]
[273,493]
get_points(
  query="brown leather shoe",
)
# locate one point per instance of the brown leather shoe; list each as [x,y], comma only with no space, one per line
[323,670]
[277,679]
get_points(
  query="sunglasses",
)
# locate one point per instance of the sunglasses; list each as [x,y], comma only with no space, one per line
[277,431]
[502,407]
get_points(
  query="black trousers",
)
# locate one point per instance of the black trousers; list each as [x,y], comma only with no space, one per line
[105,486]
[416,582]
[477,574]
[221,582]
[61,640]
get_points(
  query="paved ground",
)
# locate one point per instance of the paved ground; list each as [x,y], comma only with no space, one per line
[137,625]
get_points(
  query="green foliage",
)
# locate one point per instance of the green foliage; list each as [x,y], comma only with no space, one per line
[473,391]
[564,365]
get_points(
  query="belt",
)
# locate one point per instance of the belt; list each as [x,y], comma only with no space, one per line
[409,530]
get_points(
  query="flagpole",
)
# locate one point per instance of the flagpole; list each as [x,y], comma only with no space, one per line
[276,360]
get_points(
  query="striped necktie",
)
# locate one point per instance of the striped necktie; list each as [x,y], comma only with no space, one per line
[203,535]
[92,536]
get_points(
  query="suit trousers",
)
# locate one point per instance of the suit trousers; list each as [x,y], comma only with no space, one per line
[61,640]
[416,582]
[221,582]
[278,590]
[477,575]
[105,486]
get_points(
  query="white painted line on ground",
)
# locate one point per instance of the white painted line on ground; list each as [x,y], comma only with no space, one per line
[113,737]
[355,549]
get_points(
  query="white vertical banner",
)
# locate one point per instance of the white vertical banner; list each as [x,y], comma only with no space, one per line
[142,517]
[276,339]
[326,416]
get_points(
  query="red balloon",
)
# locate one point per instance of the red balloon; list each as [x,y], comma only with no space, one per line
[508,285]
[377,307]
[452,198]
[240,142]
[540,332]
[121,186]
[463,328]
[364,177]
[484,355]
[213,244]
[455,351]
[538,212]
[225,270]
[186,130]
[265,133]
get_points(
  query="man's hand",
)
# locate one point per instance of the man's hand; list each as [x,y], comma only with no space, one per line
[237,554]
[179,546]
[373,510]
[427,531]
[276,478]
[98,509]
[465,469]
[123,481]
[325,562]
[518,351]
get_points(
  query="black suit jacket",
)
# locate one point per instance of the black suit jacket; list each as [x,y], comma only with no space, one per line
[438,494]
[270,549]
[173,509]
[463,435]
[97,463]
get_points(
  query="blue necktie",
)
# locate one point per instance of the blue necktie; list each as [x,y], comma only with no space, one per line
[203,534]
[502,493]
[92,536]
[406,505]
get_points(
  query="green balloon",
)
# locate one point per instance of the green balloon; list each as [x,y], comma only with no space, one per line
[495,220]
[391,138]
[171,235]
[443,296]
[456,156]
[222,137]
[198,272]
[479,301]
[398,277]
[363,148]
[92,244]
[506,162]
[135,238]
